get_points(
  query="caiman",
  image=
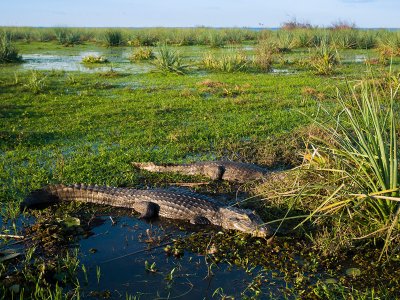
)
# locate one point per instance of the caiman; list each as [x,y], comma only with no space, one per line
[183,205]
[216,170]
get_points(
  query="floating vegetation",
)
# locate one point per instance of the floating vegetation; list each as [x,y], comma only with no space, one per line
[94,59]
[142,53]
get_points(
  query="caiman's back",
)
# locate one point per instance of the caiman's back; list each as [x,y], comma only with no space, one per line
[217,170]
[172,204]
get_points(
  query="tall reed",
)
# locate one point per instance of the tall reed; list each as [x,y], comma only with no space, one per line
[8,53]
[361,142]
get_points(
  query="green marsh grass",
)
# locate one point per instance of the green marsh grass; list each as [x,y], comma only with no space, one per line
[113,38]
[36,82]
[324,58]
[264,56]
[8,52]
[232,61]
[67,37]
[142,53]
[169,61]
[362,146]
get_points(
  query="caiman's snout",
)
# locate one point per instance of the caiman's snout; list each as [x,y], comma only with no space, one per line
[261,232]
[243,220]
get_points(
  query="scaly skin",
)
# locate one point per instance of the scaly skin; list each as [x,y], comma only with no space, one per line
[183,205]
[217,170]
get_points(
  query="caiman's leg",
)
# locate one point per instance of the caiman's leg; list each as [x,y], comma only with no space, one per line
[147,209]
[214,172]
[200,220]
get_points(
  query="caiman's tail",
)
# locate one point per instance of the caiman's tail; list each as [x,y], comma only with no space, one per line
[78,192]
[44,196]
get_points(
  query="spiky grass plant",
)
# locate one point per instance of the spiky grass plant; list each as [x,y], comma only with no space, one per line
[113,38]
[67,37]
[324,58]
[8,53]
[361,143]
[169,61]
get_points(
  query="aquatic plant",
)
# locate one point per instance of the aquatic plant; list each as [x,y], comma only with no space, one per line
[361,145]
[169,61]
[94,59]
[324,58]
[142,53]
[232,61]
[8,53]
[36,82]
[67,37]
[263,57]
[215,40]
[113,38]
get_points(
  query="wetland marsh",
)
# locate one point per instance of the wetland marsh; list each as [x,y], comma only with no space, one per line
[238,95]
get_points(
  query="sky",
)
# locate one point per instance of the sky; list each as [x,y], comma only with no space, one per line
[188,13]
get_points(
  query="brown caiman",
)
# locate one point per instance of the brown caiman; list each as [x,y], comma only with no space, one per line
[216,170]
[184,205]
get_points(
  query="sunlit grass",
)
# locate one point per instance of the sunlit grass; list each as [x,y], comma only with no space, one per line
[361,146]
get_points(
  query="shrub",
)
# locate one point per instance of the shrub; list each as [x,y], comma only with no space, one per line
[342,25]
[294,24]
[8,53]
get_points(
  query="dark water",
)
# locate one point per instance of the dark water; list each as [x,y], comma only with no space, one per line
[121,254]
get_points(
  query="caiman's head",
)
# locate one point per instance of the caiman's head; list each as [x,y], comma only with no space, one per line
[244,220]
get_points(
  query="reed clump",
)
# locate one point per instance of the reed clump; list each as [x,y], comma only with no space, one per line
[67,37]
[113,38]
[8,53]
[324,58]
[349,176]
[169,61]
[233,61]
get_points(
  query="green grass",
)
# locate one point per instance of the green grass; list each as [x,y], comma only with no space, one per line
[8,52]
[169,60]
[362,144]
